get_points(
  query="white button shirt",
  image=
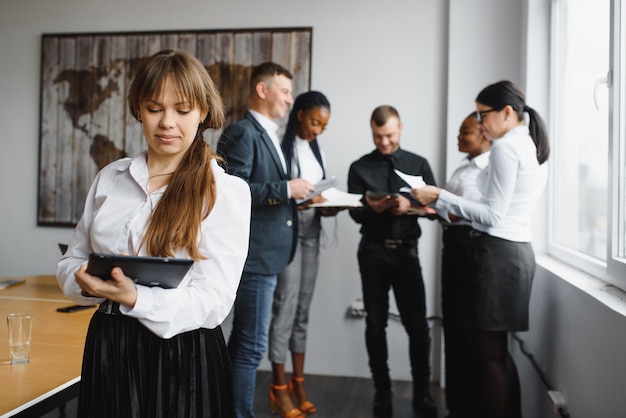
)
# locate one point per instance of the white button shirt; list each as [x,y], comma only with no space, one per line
[463,183]
[117,209]
[511,185]
[271,128]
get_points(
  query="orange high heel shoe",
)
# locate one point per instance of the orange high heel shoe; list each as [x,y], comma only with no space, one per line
[275,404]
[307,407]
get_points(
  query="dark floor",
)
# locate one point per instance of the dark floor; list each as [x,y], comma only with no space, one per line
[335,397]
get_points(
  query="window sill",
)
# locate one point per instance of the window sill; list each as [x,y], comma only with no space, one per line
[605,293]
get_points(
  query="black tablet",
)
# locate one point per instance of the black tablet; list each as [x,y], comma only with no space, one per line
[148,271]
[380,195]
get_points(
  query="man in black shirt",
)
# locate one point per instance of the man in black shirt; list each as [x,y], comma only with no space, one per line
[388,257]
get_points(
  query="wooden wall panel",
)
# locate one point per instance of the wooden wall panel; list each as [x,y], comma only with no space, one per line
[84,120]
[66,83]
[48,158]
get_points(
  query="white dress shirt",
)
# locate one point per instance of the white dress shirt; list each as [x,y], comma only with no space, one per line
[271,128]
[510,185]
[117,209]
[463,183]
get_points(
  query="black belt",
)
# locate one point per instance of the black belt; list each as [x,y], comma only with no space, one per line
[461,231]
[393,243]
[483,236]
[109,307]
[476,234]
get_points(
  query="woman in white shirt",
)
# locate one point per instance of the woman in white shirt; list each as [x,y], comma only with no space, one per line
[456,259]
[294,290]
[497,298]
[151,351]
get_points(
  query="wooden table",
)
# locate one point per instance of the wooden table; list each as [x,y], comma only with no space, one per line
[53,375]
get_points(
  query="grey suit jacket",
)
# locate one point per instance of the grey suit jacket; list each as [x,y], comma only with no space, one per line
[250,154]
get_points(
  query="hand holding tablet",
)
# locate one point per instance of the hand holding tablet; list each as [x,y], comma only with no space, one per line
[147,271]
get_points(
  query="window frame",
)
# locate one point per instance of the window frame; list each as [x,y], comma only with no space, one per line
[617,144]
[613,270]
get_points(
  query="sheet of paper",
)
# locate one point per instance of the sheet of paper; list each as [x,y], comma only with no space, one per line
[415,182]
[336,198]
[320,186]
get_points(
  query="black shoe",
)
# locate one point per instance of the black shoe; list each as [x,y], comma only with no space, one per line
[383,407]
[424,406]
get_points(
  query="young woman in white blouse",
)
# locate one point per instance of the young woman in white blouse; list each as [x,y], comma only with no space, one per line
[153,352]
[497,296]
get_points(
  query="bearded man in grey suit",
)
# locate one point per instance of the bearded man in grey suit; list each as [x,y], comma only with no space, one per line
[251,149]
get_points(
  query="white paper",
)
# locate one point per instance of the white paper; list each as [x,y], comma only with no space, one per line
[319,188]
[415,182]
[336,198]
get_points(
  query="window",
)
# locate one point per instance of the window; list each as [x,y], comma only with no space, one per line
[588,198]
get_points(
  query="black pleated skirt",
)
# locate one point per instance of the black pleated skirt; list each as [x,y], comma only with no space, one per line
[130,372]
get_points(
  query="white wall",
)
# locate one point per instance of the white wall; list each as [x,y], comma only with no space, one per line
[579,340]
[484,47]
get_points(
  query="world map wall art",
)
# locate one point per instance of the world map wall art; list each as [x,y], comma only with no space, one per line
[84,118]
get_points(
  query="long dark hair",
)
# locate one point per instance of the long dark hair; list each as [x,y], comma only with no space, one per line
[305,101]
[506,93]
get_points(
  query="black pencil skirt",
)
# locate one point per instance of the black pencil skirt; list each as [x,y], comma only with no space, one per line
[130,372]
[498,293]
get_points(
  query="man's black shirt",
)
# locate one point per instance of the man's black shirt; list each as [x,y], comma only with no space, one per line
[374,172]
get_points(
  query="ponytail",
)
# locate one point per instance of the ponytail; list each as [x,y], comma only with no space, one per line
[538,133]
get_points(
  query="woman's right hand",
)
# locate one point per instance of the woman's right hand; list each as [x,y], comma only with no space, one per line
[426,194]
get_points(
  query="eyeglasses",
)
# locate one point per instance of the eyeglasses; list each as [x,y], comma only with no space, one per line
[481,114]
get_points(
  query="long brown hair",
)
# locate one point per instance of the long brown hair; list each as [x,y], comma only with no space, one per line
[191,193]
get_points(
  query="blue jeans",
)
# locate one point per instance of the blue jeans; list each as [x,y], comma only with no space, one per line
[249,335]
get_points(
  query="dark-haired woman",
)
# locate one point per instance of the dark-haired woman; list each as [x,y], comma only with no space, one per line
[498,293]
[456,258]
[153,352]
[294,290]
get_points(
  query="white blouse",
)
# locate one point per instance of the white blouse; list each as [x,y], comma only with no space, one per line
[463,183]
[310,168]
[117,209]
[510,185]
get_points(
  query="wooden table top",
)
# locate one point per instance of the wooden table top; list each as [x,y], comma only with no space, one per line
[56,348]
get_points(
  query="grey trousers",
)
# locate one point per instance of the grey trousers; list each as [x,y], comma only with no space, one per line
[294,291]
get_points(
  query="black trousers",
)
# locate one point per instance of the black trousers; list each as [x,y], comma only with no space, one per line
[456,266]
[397,267]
